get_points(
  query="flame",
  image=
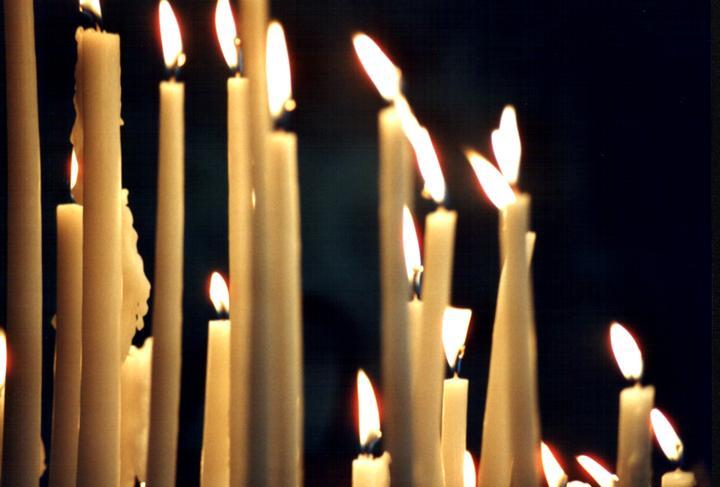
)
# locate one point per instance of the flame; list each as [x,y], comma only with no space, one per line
[219,293]
[469,477]
[382,72]
[369,416]
[506,145]
[170,36]
[92,6]
[3,358]
[454,331]
[554,474]
[429,165]
[492,181]
[74,168]
[668,440]
[626,352]
[598,473]
[226,32]
[411,245]
[278,70]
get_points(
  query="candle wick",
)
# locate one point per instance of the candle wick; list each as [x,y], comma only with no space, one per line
[416,286]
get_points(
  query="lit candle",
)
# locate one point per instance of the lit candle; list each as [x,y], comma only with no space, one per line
[672,447]
[68,340]
[215,462]
[634,432]
[24,248]
[455,397]
[169,240]
[597,472]
[469,474]
[367,470]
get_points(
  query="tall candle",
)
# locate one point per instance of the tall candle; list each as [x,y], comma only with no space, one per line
[634,432]
[99,440]
[672,447]
[24,249]
[368,470]
[169,240]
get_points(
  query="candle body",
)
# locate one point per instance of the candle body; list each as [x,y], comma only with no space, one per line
[427,389]
[167,314]
[24,250]
[678,478]
[511,426]
[68,346]
[454,430]
[394,192]
[635,436]
[240,214]
[368,471]
[414,310]
[99,440]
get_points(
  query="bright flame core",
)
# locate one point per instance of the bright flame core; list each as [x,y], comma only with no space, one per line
[507,146]
[219,293]
[226,32]
[626,351]
[411,245]
[92,6]
[554,474]
[382,72]
[368,414]
[3,358]
[599,474]
[74,168]
[469,477]
[492,181]
[429,164]
[454,331]
[277,61]
[170,37]
[667,438]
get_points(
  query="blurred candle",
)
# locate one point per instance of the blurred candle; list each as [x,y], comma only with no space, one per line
[367,470]
[413,268]
[599,474]
[673,449]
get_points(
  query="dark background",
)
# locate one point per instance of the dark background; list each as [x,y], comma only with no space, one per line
[613,102]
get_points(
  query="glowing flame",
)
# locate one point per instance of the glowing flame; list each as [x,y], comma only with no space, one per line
[454,331]
[219,293]
[627,353]
[506,145]
[3,358]
[278,70]
[413,262]
[668,440]
[492,181]
[74,168]
[226,32]
[429,165]
[92,6]
[469,477]
[369,416]
[382,72]
[554,474]
[598,473]
[170,37]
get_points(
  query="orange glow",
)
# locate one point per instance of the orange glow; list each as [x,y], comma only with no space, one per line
[92,6]
[492,181]
[3,358]
[469,476]
[554,474]
[170,37]
[226,32]
[279,84]
[454,332]
[368,414]
[74,168]
[627,353]
[411,245]
[219,294]
[668,440]
[507,146]
[382,72]
[599,474]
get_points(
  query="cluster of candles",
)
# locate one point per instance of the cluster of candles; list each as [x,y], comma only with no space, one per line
[116,420]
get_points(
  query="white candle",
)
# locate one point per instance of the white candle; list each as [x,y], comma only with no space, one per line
[367,470]
[413,268]
[599,474]
[167,314]
[634,433]
[673,448]
[24,249]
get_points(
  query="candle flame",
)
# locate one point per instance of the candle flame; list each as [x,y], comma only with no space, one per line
[492,181]
[3,358]
[627,353]
[382,72]
[170,36]
[667,438]
[279,83]
[554,474]
[411,245]
[219,294]
[469,476]
[599,474]
[226,32]
[92,6]
[456,322]
[369,416]
[506,145]
[74,168]
[429,165]
[577,483]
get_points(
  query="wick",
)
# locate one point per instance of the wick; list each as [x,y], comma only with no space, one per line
[240,66]
[367,448]
[417,281]
[95,20]
[458,361]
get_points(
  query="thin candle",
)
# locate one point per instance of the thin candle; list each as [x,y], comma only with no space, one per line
[672,447]
[368,470]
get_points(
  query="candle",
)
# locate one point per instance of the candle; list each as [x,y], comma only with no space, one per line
[215,462]
[68,341]
[599,474]
[24,249]
[633,453]
[99,437]
[673,449]
[167,314]
[469,475]
[240,213]
[3,373]
[367,470]
[413,268]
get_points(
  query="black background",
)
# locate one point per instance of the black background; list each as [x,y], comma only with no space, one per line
[613,105]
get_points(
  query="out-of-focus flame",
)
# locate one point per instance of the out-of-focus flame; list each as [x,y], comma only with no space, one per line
[599,474]
[368,414]
[74,168]
[469,476]
[277,61]
[506,145]
[382,72]
[554,474]
[219,294]
[667,438]
[3,358]
[170,36]
[492,181]
[626,351]
[226,32]
[454,331]
[411,245]
[429,165]
[92,6]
